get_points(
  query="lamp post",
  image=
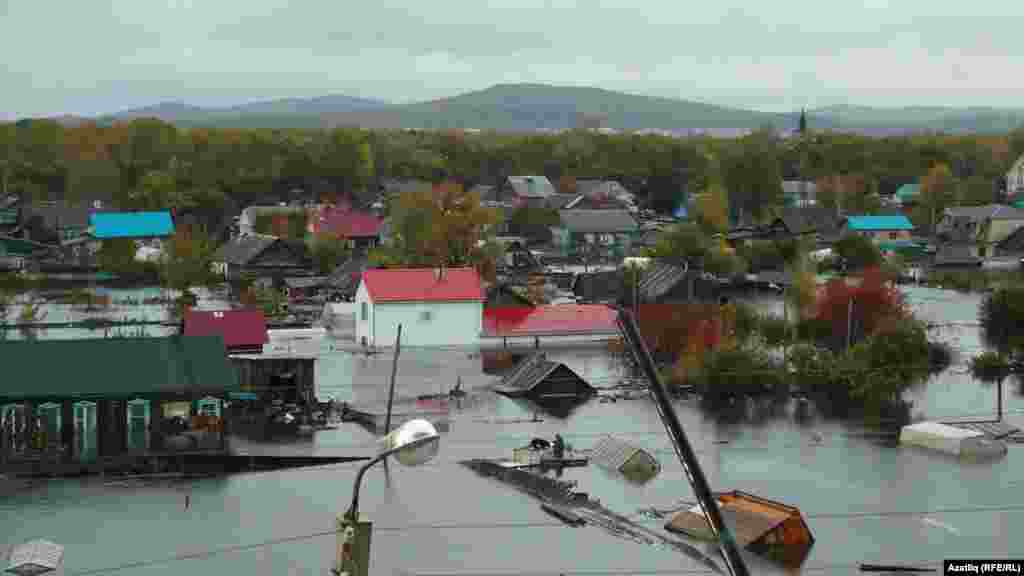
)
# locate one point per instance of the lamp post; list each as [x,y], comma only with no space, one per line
[413,443]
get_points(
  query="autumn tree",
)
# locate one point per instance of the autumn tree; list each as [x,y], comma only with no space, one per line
[187,259]
[938,190]
[847,193]
[443,226]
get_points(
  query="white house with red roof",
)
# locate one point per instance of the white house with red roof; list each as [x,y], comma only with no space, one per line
[435,306]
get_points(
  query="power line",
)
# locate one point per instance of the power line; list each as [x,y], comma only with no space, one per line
[516,525]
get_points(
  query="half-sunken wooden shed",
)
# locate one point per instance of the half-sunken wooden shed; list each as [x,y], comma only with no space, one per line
[541,380]
[635,464]
[763,526]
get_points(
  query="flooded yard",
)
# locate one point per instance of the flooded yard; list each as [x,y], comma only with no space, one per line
[864,501]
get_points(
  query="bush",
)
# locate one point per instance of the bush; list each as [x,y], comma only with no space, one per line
[774,331]
[859,252]
[739,372]
[990,367]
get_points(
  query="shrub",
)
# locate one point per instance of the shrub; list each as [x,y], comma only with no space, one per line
[859,252]
[774,331]
[740,372]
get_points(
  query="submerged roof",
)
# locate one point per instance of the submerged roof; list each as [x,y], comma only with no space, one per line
[553,320]
[659,278]
[423,285]
[109,225]
[239,328]
[534,371]
[115,367]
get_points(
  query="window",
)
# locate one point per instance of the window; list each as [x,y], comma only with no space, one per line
[364,311]
[426,315]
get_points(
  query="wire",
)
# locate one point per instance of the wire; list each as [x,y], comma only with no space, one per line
[507,525]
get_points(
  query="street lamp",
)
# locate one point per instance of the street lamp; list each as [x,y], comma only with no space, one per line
[414,443]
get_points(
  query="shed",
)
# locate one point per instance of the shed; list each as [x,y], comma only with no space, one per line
[635,464]
[35,557]
[244,331]
[111,225]
[760,525]
[436,307]
[541,380]
[951,440]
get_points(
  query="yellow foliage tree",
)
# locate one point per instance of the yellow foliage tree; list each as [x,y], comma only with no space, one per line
[713,209]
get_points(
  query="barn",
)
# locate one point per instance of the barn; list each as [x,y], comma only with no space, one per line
[435,306]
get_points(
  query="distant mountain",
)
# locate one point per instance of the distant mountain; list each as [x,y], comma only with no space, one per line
[539,106]
[283,113]
[921,118]
[529,107]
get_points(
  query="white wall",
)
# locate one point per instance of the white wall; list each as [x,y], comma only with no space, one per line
[364,326]
[449,324]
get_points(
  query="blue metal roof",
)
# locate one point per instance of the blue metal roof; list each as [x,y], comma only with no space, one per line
[875,223]
[107,225]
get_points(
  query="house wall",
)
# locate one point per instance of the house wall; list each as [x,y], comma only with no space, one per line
[1015,177]
[1000,229]
[447,324]
[364,320]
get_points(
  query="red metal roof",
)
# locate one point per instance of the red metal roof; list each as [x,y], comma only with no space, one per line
[557,319]
[423,285]
[345,223]
[240,328]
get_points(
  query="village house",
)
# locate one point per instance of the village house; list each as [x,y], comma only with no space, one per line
[250,217]
[606,233]
[1015,179]
[147,229]
[817,222]
[878,228]
[20,254]
[979,227]
[67,404]
[361,231]
[262,257]
[528,190]
[799,193]
[436,307]
[601,194]
[243,331]
[907,196]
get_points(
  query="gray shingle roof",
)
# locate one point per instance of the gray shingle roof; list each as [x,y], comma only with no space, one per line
[659,278]
[809,219]
[531,186]
[598,221]
[797,187]
[561,201]
[532,371]
[346,276]
[243,249]
[989,211]
[956,254]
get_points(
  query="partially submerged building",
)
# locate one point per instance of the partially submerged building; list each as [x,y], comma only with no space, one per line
[68,405]
[543,381]
[243,331]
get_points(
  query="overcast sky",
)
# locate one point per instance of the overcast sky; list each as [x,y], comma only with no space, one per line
[96,56]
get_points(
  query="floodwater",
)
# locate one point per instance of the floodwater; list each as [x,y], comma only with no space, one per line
[863,501]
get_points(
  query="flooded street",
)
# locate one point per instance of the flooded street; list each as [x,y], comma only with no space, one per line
[864,502]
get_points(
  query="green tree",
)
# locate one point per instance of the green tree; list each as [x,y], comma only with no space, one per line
[187,260]
[859,252]
[117,256]
[752,175]
[328,252]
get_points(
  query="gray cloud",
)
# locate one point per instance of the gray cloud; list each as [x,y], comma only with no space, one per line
[92,57]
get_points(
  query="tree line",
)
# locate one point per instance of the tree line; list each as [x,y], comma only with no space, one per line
[147,163]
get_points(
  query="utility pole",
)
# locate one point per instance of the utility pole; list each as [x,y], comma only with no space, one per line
[705,498]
